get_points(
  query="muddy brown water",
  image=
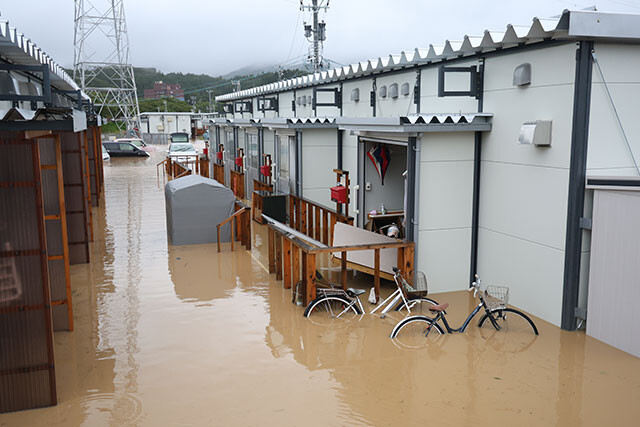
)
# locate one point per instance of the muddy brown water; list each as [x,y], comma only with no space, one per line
[186,336]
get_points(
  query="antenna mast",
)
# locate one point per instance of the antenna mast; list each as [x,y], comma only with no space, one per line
[101,60]
[317,30]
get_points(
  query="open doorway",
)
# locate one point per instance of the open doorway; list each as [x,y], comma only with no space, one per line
[382,179]
[251,167]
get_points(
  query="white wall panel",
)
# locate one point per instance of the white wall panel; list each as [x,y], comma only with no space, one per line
[431,103]
[402,105]
[319,158]
[443,255]
[284,104]
[362,108]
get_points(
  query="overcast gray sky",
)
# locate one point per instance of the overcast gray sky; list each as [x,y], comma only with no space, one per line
[219,36]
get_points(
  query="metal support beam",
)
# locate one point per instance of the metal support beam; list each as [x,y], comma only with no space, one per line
[340,134]
[577,180]
[477,161]
[411,188]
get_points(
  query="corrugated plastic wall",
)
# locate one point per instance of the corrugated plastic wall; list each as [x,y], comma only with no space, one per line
[27,373]
[75,190]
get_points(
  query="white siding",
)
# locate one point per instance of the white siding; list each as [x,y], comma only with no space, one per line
[608,153]
[362,108]
[284,104]
[350,163]
[319,158]
[445,206]
[402,105]
[523,195]
[429,101]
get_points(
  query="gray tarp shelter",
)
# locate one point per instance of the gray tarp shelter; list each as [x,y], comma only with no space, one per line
[195,206]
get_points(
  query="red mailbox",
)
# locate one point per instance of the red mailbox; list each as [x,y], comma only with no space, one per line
[219,155]
[239,162]
[339,194]
[265,170]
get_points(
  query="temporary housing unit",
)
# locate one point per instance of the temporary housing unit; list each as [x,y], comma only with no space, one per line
[50,176]
[195,206]
[492,137]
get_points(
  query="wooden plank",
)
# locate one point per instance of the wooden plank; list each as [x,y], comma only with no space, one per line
[376,273]
[272,256]
[318,216]
[278,257]
[325,227]
[44,269]
[286,262]
[298,226]
[362,268]
[408,264]
[310,278]
[303,217]
[292,215]
[295,265]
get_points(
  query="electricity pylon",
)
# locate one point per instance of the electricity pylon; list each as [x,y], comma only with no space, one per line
[101,60]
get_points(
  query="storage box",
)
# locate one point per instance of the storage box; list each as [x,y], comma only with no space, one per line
[219,155]
[239,162]
[339,194]
[265,170]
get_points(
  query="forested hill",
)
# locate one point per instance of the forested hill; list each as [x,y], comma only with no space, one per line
[197,85]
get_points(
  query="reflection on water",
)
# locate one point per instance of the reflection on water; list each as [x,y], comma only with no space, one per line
[187,336]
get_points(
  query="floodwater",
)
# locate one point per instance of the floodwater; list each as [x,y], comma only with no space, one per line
[186,336]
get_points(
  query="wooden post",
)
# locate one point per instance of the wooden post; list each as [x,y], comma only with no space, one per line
[408,264]
[247,226]
[233,232]
[310,277]
[63,227]
[295,264]
[317,227]
[343,270]
[376,272]
[278,257]
[400,260]
[325,228]
[298,214]
[272,256]
[303,217]
[292,212]
[286,261]
[218,237]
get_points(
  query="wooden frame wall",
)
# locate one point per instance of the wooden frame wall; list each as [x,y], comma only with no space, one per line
[27,371]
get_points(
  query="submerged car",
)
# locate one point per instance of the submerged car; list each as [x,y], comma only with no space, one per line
[122,149]
[135,141]
[105,154]
[179,137]
[181,150]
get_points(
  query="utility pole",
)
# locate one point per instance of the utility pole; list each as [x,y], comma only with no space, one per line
[317,31]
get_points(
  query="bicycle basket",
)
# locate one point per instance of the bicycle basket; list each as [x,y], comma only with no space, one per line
[419,288]
[496,297]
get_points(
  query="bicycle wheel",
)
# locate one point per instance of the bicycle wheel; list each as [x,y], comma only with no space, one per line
[418,306]
[416,331]
[509,319]
[328,309]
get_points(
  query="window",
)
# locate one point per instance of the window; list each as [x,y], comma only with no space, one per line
[228,135]
[252,148]
[125,146]
[283,143]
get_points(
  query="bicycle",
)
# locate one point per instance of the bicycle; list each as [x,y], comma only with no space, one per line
[494,302]
[334,303]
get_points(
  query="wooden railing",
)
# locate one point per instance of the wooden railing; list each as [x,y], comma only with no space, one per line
[314,220]
[293,259]
[237,184]
[240,227]
[218,173]
[175,169]
[262,186]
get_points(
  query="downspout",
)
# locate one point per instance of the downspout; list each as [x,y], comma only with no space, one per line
[340,131]
[477,163]
[577,178]
[411,233]
[299,163]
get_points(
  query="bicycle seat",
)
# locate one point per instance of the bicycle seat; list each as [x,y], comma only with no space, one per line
[439,307]
[355,292]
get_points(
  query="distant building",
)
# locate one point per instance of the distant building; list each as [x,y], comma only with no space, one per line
[161,89]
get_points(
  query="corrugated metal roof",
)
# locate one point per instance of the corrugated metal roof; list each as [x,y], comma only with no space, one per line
[18,49]
[570,25]
[419,123]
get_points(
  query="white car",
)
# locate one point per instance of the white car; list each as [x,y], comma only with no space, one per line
[181,151]
[105,154]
